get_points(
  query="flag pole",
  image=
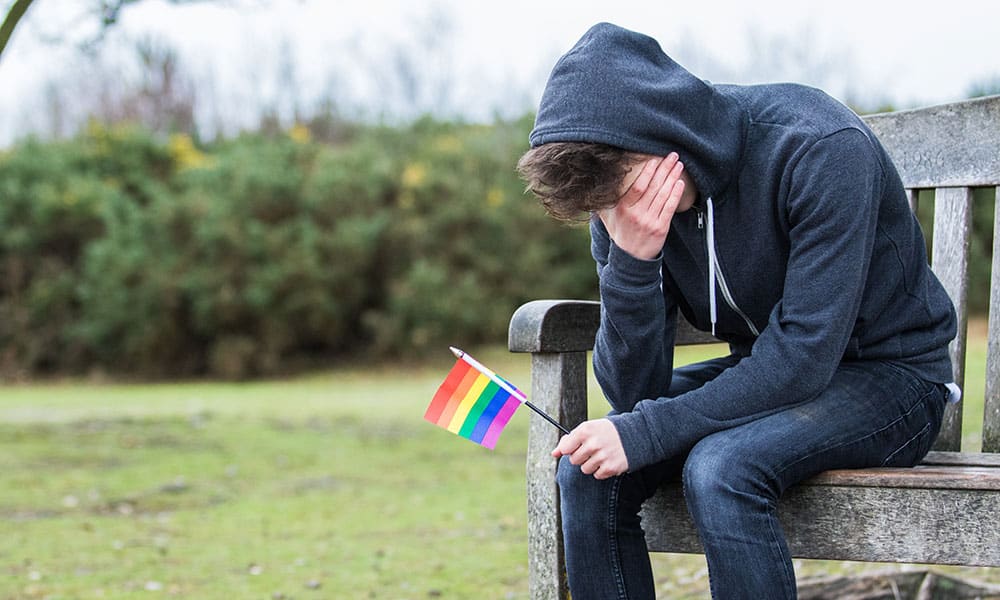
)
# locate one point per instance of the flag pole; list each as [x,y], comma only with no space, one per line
[497,380]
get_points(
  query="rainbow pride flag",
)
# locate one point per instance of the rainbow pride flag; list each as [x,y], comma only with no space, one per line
[474,402]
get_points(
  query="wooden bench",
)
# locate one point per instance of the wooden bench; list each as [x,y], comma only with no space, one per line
[944,511]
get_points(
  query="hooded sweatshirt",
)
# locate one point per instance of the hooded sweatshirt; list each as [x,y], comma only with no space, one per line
[801,251]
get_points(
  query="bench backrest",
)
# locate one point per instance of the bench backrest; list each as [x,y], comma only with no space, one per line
[949,149]
[952,149]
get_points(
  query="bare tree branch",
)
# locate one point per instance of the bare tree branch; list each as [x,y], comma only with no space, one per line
[10,21]
[106,11]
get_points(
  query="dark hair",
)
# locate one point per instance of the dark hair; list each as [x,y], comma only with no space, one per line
[571,178]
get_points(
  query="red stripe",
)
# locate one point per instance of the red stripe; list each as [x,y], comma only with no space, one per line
[447,390]
[456,399]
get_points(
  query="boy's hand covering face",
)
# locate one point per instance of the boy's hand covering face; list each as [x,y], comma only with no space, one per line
[639,223]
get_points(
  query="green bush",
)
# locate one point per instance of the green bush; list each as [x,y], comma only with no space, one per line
[466,245]
[53,197]
[127,253]
[131,254]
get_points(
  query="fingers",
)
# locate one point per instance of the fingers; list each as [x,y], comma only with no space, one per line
[581,453]
[668,198]
[596,462]
[568,444]
[666,174]
[655,173]
[595,447]
[641,184]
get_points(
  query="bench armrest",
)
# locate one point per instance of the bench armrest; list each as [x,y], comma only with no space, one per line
[554,326]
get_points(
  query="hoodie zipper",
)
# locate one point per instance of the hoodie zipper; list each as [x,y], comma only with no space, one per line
[720,279]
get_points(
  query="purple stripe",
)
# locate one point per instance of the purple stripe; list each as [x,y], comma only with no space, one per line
[490,440]
[486,419]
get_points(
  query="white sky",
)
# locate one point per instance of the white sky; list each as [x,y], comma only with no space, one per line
[498,54]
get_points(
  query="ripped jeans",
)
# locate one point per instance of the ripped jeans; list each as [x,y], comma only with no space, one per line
[874,413]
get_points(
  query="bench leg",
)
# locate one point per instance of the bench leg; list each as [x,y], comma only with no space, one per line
[559,387]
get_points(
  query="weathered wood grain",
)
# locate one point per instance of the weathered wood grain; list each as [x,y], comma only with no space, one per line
[991,414]
[962,459]
[930,477]
[571,325]
[554,326]
[558,387]
[894,585]
[941,146]
[687,335]
[874,524]
[950,261]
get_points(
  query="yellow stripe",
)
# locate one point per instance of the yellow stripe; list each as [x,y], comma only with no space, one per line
[468,402]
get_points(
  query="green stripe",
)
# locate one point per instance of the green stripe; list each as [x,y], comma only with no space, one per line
[477,409]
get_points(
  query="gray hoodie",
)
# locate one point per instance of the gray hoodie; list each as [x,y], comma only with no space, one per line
[801,252]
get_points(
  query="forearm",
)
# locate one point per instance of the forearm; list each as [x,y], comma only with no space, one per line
[633,353]
[634,347]
[660,428]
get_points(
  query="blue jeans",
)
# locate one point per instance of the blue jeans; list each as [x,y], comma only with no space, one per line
[873,413]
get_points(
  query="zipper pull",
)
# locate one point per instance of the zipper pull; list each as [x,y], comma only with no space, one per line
[701,220]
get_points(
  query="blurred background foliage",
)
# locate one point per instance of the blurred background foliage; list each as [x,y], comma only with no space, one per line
[128,252]
[131,252]
[132,243]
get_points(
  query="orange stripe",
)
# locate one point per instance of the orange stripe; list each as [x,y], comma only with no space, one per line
[468,402]
[460,391]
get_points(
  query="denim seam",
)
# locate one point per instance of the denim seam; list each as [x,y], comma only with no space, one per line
[920,402]
[785,560]
[906,445]
[615,558]
[914,382]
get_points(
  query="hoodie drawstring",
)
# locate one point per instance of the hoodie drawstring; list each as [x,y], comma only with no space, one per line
[716,278]
[713,309]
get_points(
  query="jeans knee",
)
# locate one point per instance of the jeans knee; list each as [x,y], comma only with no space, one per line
[702,477]
[720,482]
[584,500]
[574,485]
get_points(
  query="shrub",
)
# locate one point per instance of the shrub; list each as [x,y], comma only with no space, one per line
[131,254]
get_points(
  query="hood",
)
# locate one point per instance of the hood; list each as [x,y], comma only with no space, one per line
[618,87]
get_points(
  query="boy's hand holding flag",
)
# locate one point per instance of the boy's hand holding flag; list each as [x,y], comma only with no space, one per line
[476,403]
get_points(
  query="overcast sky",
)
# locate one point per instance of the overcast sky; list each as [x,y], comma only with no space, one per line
[496,55]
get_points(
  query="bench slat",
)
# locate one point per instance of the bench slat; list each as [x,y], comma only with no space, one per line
[943,477]
[687,335]
[913,197]
[874,524]
[950,261]
[991,415]
[962,459]
[947,145]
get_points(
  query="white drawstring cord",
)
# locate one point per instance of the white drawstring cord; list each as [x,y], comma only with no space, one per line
[711,265]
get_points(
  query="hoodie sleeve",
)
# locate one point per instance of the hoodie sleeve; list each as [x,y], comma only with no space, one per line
[832,211]
[639,365]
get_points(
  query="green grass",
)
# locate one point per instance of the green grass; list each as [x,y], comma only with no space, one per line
[322,486]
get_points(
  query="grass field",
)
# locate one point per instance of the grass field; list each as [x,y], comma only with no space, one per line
[322,486]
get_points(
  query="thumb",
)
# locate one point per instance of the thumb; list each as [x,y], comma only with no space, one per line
[567,444]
